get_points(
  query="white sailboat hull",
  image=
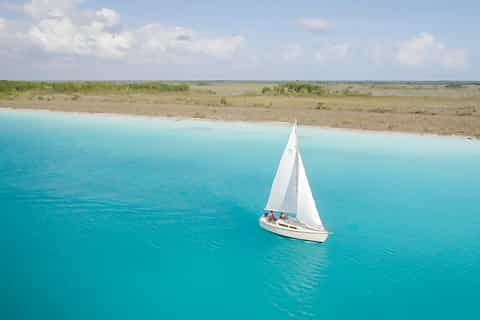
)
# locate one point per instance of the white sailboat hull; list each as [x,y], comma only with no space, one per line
[292,229]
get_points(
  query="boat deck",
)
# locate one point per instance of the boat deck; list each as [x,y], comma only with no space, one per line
[292,228]
[290,223]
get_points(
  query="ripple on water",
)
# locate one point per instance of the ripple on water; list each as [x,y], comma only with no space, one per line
[301,269]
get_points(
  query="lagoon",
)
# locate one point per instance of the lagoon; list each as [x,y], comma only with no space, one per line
[129,217]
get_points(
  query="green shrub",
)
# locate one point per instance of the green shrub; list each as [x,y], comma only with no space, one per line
[266,90]
[322,106]
[7,86]
[454,85]
[299,88]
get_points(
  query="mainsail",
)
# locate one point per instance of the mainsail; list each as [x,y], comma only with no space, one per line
[284,188]
[291,191]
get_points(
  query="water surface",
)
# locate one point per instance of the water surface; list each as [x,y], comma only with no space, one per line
[135,218]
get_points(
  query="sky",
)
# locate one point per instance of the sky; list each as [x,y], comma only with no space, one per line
[239,40]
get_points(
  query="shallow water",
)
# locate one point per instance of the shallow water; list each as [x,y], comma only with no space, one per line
[136,218]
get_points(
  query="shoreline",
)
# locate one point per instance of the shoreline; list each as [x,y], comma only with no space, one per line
[251,121]
[436,109]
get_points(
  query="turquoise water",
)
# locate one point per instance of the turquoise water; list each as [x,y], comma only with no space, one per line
[112,217]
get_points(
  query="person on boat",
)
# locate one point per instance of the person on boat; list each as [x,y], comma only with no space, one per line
[283,216]
[271,217]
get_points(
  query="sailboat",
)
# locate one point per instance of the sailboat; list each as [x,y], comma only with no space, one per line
[292,197]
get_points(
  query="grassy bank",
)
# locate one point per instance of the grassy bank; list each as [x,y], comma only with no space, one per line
[442,108]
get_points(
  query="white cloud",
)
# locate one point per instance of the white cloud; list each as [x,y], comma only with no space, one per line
[332,52]
[456,59]
[62,35]
[39,9]
[425,50]
[292,52]
[108,16]
[59,26]
[157,38]
[314,24]
[60,31]
[161,38]
[378,54]
[62,27]
[3,24]
[218,47]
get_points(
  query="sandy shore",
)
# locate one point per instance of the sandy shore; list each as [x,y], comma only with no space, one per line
[382,118]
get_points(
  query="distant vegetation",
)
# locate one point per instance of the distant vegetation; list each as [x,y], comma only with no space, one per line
[202,83]
[223,100]
[299,88]
[296,88]
[454,85]
[14,87]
